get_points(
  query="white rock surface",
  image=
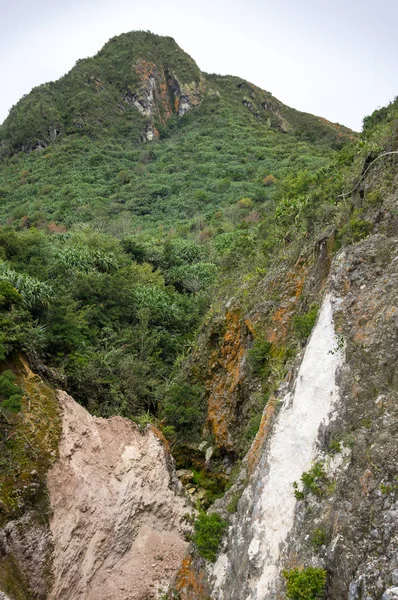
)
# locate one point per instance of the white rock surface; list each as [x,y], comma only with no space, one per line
[118,514]
[391,594]
[266,514]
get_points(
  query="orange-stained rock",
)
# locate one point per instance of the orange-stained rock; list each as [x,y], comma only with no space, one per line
[190,581]
[262,435]
[225,374]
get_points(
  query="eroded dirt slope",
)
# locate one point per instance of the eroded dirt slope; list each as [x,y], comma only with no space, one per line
[118,521]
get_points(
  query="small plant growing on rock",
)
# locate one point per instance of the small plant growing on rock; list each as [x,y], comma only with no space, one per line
[144,419]
[305,584]
[233,505]
[334,447]
[303,324]
[314,482]
[209,530]
[318,538]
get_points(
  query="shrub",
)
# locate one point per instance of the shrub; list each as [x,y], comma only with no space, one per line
[233,505]
[12,404]
[34,293]
[144,419]
[10,394]
[305,584]
[314,482]
[259,354]
[201,196]
[209,530]
[318,538]
[213,484]
[253,426]
[269,180]
[303,324]
[334,447]
[245,203]
[374,197]
[183,408]
[123,177]
[8,295]
[354,231]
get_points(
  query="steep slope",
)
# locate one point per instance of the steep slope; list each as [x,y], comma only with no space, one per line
[113,243]
[314,506]
[135,79]
[108,521]
[262,526]
[232,279]
[214,140]
[118,511]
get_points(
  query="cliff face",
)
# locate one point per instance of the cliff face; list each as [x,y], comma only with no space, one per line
[116,526]
[266,509]
[341,413]
[117,510]
[318,487]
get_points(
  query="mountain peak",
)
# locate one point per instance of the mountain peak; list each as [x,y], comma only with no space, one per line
[131,88]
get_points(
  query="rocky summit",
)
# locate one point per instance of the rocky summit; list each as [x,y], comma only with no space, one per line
[199,339]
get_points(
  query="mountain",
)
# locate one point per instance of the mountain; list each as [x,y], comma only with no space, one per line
[213,139]
[211,275]
[132,87]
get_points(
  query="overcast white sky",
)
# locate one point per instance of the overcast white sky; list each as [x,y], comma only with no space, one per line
[333,58]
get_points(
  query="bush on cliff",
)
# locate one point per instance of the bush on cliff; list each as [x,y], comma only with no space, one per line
[305,584]
[209,530]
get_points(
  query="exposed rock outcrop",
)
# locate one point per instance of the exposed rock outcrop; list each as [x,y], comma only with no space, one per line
[266,512]
[160,95]
[118,521]
[342,416]
[117,526]
[25,550]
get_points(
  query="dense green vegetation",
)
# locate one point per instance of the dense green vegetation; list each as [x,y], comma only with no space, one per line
[194,179]
[109,245]
[112,250]
[10,394]
[113,326]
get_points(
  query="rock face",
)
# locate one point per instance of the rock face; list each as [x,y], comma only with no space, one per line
[160,95]
[26,542]
[118,511]
[342,414]
[250,567]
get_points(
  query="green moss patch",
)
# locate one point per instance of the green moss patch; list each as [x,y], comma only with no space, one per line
[29,442]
